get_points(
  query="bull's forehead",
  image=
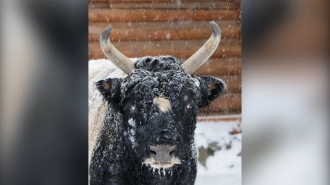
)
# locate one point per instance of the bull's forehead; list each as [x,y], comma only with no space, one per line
[168,84]
[156,76]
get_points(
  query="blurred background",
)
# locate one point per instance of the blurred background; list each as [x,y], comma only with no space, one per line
[285,82]
[45,46]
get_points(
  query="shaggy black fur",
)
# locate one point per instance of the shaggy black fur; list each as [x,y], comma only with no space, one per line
[133,123]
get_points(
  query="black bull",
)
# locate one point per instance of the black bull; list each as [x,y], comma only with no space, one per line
[148,131]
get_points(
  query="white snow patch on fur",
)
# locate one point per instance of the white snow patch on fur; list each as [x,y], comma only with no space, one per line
[132,132]
[197,83]
[131,122]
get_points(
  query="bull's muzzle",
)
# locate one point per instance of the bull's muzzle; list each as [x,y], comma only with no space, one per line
[162,153]
[162,156]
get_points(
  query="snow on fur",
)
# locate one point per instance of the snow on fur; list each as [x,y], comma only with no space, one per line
[97,107]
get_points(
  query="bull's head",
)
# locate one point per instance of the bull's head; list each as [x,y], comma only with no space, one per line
[159,101]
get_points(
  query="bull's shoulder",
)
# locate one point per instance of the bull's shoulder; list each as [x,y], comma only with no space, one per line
[97,107]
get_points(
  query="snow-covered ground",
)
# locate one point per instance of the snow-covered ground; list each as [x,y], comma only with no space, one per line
[219,153]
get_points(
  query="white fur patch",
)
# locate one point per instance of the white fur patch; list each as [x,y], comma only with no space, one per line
[151,162]
[163,103]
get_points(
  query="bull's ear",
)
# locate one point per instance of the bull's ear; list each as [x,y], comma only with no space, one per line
[110,89]
[211,88]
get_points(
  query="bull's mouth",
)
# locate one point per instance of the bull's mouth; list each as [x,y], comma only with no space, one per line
[157,164]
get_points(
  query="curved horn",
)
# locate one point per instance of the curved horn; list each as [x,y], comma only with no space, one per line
[204,53]
[117,58]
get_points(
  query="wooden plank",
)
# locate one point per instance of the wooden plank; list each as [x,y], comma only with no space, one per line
[98,5]
[98,1]
[175,5]
[165,5]
[108,15]
[164,25]
[177,1]
[177,48]
[208,118]
[220,113]
[220,67]
[139,31]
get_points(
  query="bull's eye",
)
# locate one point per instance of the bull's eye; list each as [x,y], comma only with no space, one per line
[189,106]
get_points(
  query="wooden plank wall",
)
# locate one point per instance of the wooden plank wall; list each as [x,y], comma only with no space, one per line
[178,28]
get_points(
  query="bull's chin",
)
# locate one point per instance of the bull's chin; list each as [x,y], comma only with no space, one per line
[155,164]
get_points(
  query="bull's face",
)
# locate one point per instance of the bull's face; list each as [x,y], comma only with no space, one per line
[159,102]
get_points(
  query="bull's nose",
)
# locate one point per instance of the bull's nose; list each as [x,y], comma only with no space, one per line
[162,153]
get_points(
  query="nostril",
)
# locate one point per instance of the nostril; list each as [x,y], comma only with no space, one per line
[153,150]
[162,151]
[172,150]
